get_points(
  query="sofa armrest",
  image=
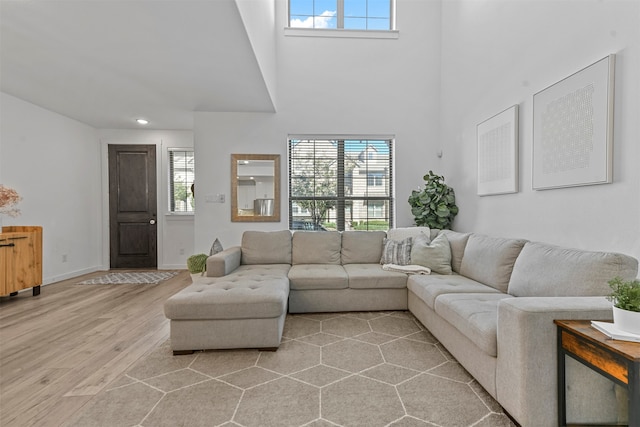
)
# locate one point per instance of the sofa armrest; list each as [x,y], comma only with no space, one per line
[526,373]
[224,262]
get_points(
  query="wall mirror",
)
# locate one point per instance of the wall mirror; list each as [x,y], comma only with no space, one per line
[255,187]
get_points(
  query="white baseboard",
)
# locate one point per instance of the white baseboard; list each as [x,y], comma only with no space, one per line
[70,275]
[172,267]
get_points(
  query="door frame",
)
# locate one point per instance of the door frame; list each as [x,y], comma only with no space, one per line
[104,221]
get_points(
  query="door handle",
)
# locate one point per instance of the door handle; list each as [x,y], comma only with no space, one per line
[152,221]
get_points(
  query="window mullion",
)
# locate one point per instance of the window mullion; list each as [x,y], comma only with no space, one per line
[392,15]
[340,11]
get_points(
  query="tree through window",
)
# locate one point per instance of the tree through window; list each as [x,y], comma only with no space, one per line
[341,184]
[181,180]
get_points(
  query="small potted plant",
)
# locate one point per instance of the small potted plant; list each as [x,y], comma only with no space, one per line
[197,265]
[625,296]
[435,204]
[8,199]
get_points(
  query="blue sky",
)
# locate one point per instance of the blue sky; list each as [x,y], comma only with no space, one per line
[356,13]
[360,145]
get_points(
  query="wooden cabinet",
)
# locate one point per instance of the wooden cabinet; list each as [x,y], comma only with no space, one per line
[20,259]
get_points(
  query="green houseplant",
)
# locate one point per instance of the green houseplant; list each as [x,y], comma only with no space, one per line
[625,296]
[197,264]
[435,204]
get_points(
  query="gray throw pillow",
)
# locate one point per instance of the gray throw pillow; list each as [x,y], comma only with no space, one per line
[435,255]
[404,232]
[215,248]
[396,252]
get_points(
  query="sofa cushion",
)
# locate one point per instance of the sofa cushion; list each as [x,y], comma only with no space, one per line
[428,288]
[266,247]
[436,254]
[250,292]
[318,276]
[396,252]
[316,247]
[402,233]
[457,242]
[372,276]
[490,260]
[361,247]
[473,315]
[547,270]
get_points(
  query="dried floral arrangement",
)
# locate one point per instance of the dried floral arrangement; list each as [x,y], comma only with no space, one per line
[8,199]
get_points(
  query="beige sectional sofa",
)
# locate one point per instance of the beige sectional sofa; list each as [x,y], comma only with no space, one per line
[494,314]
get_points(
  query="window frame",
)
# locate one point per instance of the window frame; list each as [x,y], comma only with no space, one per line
[375,178]
[340,31]
[171,201]
[345,204]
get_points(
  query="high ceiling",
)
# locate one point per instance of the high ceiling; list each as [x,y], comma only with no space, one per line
[108,62]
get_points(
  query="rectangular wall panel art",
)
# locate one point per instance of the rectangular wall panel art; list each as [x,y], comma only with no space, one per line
[573,129]
[498,153]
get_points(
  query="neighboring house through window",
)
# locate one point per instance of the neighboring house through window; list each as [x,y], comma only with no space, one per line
[375,179]
[342,14]
[181,180]
[341,184]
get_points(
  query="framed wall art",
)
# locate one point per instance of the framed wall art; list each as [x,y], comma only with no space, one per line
[573,129]
[498,153]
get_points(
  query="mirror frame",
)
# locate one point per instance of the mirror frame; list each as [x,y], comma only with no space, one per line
[235,217]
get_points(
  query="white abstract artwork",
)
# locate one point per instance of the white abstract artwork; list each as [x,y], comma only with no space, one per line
[498,153]
[573,129]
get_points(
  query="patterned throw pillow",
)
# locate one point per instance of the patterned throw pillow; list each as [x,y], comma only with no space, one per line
[396,252]
[216,247]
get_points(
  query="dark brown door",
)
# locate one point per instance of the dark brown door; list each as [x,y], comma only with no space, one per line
[132,206]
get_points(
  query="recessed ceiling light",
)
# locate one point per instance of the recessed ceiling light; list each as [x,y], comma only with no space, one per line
[142,121]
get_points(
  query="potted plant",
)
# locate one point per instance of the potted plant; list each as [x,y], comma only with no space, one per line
[197,265]
[8,199]
[625,296]
[434,205]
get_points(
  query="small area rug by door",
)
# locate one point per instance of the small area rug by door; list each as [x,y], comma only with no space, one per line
[138,277]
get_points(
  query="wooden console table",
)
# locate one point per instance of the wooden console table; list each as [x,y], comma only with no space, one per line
[20,259]
[619,361]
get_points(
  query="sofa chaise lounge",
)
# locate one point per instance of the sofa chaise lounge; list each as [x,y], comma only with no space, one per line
[494,313]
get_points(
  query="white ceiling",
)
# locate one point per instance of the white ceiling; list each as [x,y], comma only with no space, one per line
[108,62]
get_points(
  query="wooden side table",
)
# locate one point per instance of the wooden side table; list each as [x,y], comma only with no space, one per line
[618,361]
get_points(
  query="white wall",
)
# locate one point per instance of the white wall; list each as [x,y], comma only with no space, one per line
[258,17]
[499,53]
[54,163]
[331,86]
[59,167]
[175,231]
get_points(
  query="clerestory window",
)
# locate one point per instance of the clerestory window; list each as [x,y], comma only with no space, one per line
[342,14]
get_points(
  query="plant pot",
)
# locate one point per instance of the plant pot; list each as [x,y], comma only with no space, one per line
[195,276]
[627,321]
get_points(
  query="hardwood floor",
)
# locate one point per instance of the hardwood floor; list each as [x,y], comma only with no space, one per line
[59,349]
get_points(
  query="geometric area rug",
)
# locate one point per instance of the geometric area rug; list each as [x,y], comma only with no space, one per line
[373,369]
[144,277]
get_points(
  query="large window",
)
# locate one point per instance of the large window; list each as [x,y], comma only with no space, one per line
[341,14]
[181,181]
[340,184]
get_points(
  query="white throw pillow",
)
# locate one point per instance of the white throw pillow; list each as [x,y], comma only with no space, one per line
[396,252]
[435,255]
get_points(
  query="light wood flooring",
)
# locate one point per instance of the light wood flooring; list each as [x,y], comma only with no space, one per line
[59,349]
